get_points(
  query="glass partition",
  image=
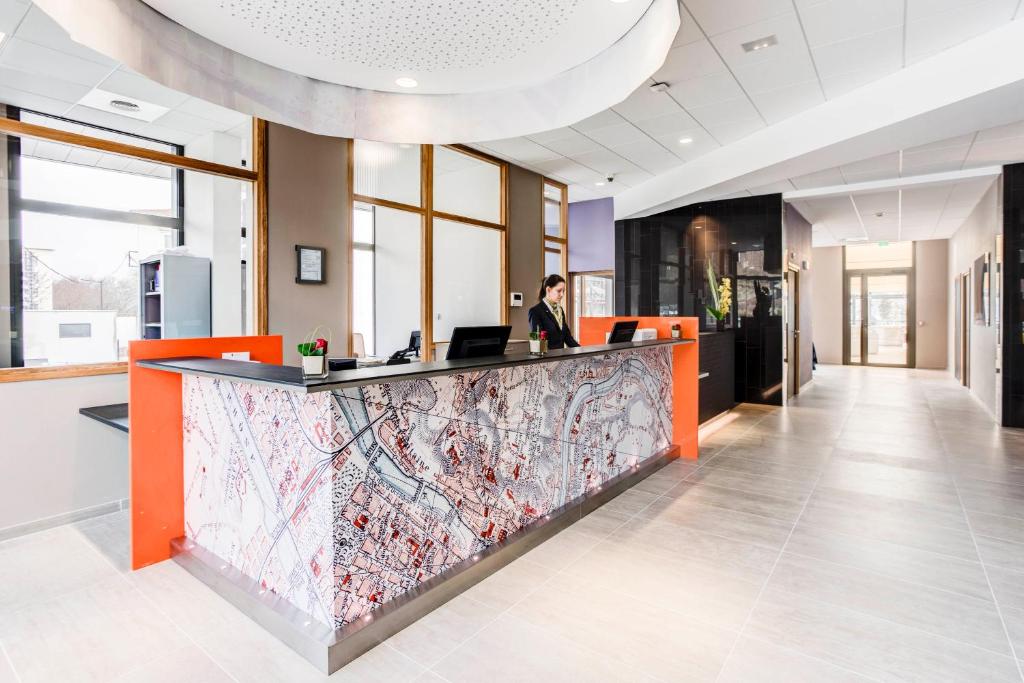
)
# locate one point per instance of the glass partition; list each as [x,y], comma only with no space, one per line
[388,171]
[467,277]
[465,185]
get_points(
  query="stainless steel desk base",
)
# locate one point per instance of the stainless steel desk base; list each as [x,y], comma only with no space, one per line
[330,650]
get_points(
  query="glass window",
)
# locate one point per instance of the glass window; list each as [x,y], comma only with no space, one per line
[553,262]
[388,171]
[467,277]
[77,227]
[593,296]
[553,198]
[466,186]
[386,277]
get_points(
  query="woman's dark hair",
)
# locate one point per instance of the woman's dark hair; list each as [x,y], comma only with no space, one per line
[552,280]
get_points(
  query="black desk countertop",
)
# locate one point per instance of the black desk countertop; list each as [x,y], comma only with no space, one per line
[290,377]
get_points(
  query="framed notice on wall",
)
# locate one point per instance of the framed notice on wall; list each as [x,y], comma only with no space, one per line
[981,290]
[309,265]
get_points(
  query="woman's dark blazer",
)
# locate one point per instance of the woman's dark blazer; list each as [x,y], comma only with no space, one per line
[541,318]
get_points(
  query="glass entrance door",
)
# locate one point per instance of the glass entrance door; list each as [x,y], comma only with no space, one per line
[878,310]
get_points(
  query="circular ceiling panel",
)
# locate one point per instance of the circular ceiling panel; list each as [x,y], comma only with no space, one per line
[445,46]
[422,71]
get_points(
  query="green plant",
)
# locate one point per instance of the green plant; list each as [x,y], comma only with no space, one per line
[721,294]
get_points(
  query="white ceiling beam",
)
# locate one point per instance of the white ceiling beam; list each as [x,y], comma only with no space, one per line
[977,84]
[894,184]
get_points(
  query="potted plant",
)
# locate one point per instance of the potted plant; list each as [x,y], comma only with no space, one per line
[538,342]
[314,354]
[721,297]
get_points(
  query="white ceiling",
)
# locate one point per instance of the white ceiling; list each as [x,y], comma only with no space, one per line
[42,69]
[719,93]
[447,46]
[923,213]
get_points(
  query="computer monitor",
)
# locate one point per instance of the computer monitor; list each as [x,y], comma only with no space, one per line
[474,342]
[623,331]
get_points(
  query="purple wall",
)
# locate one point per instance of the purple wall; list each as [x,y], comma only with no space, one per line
[591,235]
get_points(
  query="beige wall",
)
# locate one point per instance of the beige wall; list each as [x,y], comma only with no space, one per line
[975,237]
[307,204]
[932,301]
[525,229]
[827,303]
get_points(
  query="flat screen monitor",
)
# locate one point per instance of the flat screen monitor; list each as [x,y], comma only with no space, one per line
[623,331]
[475,342]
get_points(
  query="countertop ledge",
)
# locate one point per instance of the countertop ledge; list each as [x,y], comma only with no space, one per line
[290,377]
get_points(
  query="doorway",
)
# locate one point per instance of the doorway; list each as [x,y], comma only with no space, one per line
[962,329]
[792,358]
[879,311]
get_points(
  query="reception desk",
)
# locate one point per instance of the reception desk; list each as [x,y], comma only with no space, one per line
[337,511]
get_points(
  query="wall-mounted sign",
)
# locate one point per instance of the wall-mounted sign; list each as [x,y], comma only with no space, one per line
[309,265]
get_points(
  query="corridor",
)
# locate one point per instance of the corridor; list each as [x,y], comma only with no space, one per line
[871,531]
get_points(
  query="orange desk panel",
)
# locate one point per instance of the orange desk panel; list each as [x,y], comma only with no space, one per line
[685,370]
[157,493]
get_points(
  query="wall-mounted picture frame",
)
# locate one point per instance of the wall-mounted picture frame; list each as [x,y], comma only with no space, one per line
[309,265]
[981,290]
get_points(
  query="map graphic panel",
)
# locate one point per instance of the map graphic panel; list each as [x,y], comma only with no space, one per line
[341,501]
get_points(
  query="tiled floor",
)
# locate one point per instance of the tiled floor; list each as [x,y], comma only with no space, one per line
[872,531]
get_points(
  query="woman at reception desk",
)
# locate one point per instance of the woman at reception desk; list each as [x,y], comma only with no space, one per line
[337,511]
[549,315]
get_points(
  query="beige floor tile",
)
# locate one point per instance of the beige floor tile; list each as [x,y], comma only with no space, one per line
[513,650]
[949,615]
[93,634]
[510,584]
[382,664]
[188,664]
[661,642]
[43,565]
[740,526]
[431,638]
[873,647]
[562,550]
[761,661]
[691,588]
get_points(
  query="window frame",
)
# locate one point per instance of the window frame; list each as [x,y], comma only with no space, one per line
[16,130]
[427,214]
[562,239]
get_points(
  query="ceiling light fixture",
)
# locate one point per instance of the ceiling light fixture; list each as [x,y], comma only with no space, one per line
[599,183]
[685,141]
[124,105]
[760,43]
[406,82]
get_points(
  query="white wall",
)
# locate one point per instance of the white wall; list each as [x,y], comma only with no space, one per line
[827,303]
[397,259]
[213,228]
[55,461]
[975,237]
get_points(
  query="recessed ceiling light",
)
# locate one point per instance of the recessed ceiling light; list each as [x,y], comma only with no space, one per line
[760,43]
[599,183]
[124,105]
[685,141]
[733,243]
[406,82]
[880,214]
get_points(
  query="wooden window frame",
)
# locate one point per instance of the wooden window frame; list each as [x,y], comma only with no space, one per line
[427,216]
[258,178]
[562,239]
